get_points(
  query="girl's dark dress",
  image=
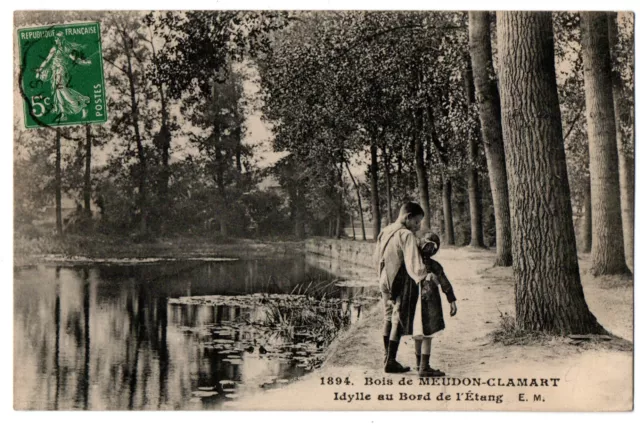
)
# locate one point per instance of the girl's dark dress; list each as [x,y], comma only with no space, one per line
[405,291]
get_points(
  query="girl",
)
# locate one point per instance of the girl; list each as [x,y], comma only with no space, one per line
[423,317]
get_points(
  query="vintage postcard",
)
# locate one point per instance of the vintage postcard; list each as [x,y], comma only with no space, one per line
[323,210]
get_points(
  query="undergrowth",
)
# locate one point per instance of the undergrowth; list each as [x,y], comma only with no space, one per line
[509,333]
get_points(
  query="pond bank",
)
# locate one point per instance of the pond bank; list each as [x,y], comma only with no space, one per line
[77,249]
[591,376]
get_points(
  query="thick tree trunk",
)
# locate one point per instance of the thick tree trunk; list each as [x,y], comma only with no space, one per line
[625,147]
[473,186]
[58,184]
[86,191]
[375,198]
[360,210]
[586,220]
[607,251]
[387,182]
[447,212]
[421,171]
[549,294]
[489,111]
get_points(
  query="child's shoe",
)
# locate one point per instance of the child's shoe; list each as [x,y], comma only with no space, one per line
[391,365]
[430,372]
[425,370]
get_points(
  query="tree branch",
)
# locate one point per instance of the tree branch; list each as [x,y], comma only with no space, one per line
[573,123]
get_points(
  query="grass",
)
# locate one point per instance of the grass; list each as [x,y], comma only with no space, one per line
[509,333]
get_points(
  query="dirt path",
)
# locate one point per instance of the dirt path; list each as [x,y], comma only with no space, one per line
[594,377]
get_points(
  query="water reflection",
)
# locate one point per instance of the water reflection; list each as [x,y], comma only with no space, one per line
[107,338]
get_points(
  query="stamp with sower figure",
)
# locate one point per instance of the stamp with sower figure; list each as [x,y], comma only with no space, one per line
[61,75]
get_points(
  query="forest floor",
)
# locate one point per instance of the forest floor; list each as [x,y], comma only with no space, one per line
[591,375]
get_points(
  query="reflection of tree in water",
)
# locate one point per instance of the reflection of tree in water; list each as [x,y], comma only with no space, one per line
[105,338]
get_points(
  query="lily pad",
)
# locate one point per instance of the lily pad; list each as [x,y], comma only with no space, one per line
[282,380]
[206,388]
[224,383]
[203,394]
[231,395]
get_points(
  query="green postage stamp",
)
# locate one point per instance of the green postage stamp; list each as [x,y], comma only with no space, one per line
[61,75]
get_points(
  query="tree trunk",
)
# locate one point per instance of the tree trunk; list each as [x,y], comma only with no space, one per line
[586,220]
[447,212]
[489,111]
[86,191]
[142,177]
[387,182]
[58,184]
[473,187]
[360,211]
[353,227]
[607,251]
[219,161]
[165,140]
[549,294]
[625,147]
[400,185]
[339,217]
[299,214]
[421,171]
[375,198]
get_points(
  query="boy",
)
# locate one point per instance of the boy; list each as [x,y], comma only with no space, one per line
[396,256]
[424,317]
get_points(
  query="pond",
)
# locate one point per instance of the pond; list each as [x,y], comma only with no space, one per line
[179,335]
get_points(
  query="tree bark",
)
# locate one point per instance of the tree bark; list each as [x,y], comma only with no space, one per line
[549,294]
[447,212]
[473,186]
[625,154]
[421,170]
[586,220]
[490,122]
[86,192]
[375,198]
[58,184]
[607,250]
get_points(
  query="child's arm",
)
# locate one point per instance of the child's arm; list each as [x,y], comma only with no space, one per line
[447,288]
